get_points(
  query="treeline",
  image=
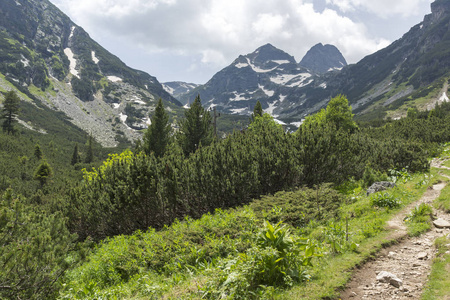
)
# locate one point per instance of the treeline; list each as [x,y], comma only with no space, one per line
[138,190]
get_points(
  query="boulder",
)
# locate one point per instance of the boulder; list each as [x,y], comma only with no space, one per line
[441,223]
[380,186]
[390,278]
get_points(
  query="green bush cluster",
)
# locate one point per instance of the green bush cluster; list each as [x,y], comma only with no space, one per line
[385,200]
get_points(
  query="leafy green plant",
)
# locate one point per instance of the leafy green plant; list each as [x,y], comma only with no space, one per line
[279,259]
[385,200]
[419,219]
[399,175]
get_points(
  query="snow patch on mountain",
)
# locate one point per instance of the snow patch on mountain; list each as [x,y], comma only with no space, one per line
[258,69]
[71,32]
[114,78]
[238,97]
[444,98]
[25,61]
[300,81]
[168,89]
[94,58]
[281,62]
[237,111]
[282,98]
[267,92]
[271,108]
[283,78]
[241,65]
[73,62]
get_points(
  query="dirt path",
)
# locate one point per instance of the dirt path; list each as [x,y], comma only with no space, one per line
[410,260]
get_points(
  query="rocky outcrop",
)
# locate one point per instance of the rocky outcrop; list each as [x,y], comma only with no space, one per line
[380,186]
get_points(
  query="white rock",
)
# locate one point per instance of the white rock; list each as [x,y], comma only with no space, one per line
[441,223]
[390,278]
[422,255]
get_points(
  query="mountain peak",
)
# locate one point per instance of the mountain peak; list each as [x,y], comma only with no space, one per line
[440,8]
[269,53]
[323,58]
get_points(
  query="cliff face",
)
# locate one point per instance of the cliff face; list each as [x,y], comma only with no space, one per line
[439,9]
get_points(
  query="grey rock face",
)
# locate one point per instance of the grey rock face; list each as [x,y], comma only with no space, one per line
[323,58]
[380,186]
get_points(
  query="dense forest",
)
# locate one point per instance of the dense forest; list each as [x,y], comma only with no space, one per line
[63,202]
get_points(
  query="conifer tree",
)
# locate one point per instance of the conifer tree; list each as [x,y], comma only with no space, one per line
[89,152]
[75,155]
[43,172]
[37,152]
[10,111]
[257,111]
[157,136]
[195,128]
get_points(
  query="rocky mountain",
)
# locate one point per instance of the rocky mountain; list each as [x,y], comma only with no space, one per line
[50,59]
[179,88]
[382,84]
[267,74]
[323,58]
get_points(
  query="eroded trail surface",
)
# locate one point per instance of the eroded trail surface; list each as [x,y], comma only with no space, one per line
[409,260]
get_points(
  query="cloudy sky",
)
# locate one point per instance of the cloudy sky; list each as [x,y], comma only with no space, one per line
[191,40]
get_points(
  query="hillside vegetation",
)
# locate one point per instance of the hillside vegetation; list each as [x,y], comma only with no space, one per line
[192,223]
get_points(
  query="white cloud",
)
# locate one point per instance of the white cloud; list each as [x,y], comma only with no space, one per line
[382,8]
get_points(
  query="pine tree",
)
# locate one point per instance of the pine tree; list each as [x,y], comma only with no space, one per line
[10,111]
[157,136]
[89,152]
[195,128]
[75,155]
[257,111]
[43,172]
[37,152]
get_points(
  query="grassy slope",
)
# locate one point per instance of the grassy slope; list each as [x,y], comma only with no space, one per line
[119,268]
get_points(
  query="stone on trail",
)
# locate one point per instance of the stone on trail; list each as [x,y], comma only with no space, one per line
[390,278]
[422,255]
[441,223]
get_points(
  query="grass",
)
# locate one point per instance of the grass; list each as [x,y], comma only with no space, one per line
[438,286]
[191,257]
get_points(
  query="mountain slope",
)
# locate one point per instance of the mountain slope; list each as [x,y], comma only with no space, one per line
[267,75]
[411,71]
[44,53]
[178,88]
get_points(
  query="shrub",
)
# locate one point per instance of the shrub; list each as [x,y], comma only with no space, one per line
[385,200]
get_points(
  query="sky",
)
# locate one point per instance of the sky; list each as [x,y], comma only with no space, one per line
[191,40]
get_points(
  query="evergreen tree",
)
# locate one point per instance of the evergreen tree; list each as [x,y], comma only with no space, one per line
[157,136]
[195,128]
[37,152]
[43,172]
[75,155]
[89,152]
[34,249]
[257,111]
[10,111]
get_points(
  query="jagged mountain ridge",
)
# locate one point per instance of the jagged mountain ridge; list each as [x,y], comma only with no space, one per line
[42,52]
[380,81]
[266,75]
[178,88]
